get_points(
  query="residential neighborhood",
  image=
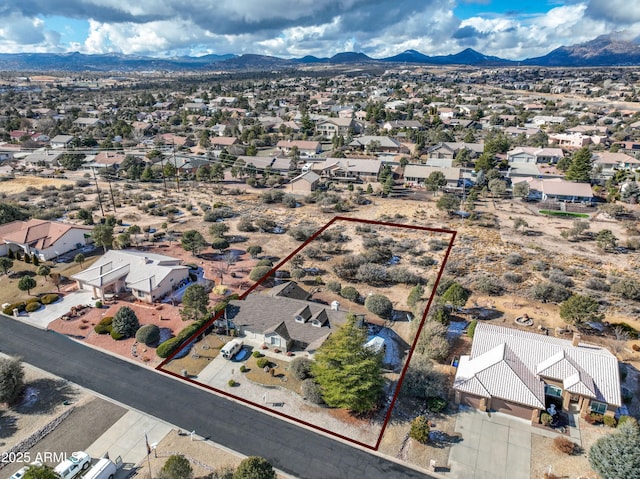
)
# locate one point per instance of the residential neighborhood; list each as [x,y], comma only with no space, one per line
[461,241]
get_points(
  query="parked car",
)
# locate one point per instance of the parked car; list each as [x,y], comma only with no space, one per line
[73,465]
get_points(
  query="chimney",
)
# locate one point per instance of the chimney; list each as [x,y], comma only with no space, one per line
[576,339]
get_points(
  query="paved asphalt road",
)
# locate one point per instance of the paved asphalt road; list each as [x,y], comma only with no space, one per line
[293,449]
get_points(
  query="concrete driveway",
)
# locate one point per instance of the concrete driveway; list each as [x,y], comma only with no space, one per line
[42,317]
[492,445]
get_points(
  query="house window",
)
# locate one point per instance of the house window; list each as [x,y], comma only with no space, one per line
[598,407]
[275,341]
[553,391]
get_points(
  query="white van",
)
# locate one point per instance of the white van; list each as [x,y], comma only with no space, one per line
[73,465]
[103,469]
[230,349]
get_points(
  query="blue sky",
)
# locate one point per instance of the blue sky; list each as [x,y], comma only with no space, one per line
[294,28]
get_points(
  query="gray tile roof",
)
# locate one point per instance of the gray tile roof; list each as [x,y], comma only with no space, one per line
[511,364]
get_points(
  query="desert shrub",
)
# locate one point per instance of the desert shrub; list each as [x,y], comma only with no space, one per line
[439,313]
[378,254]
[148,334]
[33,306]
[627,288]
[539,266]
[438,244]
[436,404]
[564,445]
[489,285]
[258,272]
[514,259]
[49,298]
[404,276]
[627,328]
[420,429]
[549,292]
[301,233]
[116,335]
[596,284]
[246,225]
[635,347]
[425,261]
[300,368]
[262,362]
[166,348]
[104,326]
[311,391]
[257,354]
[609,421]
[218,214]
[350,293]
[265,262]
[373,274]
[560,278]
[379,305]
[513,278]
[334,286]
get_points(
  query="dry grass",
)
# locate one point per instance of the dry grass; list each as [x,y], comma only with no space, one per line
[20,183]
[280,378]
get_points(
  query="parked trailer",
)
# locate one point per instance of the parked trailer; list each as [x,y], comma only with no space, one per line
[103,469]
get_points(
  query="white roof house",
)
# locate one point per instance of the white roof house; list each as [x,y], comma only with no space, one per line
[149,276]
[522,369]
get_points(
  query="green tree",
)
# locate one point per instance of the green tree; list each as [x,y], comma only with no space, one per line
[497,187]
[85,215]
[606,240]
[581,166]
[220,244]
[456,295]
[195,303]
[11,379]
[125,322]
[44,271]
[103,236]
[254,250]
[5,264]
[576,229]
[258,272]
[218,229]
[192,241]
[26,283]
[147,174]
[254,467]
[415,295]
[40,472]
[485,162]
[617,455]
[435,181]
[580,309]
[521,189]
[420,429]
[379,305]
[448,203]
[348,372]
[79,259]
[176,467]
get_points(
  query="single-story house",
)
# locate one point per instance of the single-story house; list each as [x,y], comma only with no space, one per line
[451,149]
[610,162]
[61,141]
[148,276]
[557,189]
[524,154]
[331,127]
[46,239]
[284,322]
[417,174]
[304,183]
[522,373]
[377,143]
[305,148]
[348,169]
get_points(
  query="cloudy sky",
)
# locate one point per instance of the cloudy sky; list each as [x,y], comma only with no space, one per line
[294,28]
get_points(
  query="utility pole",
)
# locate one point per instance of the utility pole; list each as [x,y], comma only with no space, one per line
[113,201]
[98,191]
[164,178]
[175,164]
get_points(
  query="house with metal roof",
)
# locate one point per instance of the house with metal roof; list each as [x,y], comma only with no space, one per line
[521,373]
[148,276]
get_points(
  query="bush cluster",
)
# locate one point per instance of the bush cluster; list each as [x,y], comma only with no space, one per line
[564,445]
[311,391]
[436,404]
[166,348]
[104,326]
[257,354]
[19,306]
[300,368]
[49,298]
[148,334]
[350,293]
[33,306]
[262,362]
[420,429]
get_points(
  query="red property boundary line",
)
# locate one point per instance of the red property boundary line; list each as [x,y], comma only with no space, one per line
[387,418]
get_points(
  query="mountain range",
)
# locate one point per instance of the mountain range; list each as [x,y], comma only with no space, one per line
[606,50]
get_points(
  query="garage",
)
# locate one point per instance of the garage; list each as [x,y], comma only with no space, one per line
[513,409]
[471,401]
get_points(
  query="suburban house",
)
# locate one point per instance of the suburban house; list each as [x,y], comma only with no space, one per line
[524,154]
[331,127]
[348,169]
[607,163]
[148,276]
[283,320]
[61,141]
[305,148]
[521,373]
[304,183]
[450,150]
[417,174]
[557,189]
[377,143]
[45,239]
